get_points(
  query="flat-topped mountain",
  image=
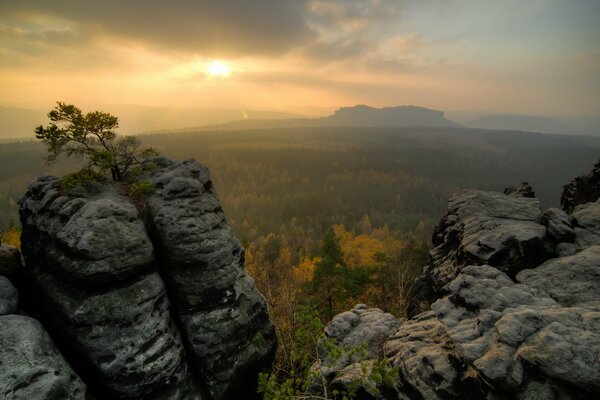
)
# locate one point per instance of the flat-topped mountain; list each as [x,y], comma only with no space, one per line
[362,115]
[357,116]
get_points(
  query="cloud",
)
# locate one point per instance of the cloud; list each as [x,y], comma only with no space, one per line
[223,28]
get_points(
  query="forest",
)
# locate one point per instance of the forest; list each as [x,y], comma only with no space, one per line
[333,217]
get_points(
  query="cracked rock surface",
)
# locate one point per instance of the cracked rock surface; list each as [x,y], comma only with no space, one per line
[150,304]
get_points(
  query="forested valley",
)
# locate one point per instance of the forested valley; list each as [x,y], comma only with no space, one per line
[332,217]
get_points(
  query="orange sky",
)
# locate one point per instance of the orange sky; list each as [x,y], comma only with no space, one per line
[537,57]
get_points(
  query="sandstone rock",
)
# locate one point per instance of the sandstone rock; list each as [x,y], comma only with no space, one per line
[124,334]
[586,222]
[224,318]
[428,361]
[525,190]
[360,334]
[501,328]
[362,325]
[558,225]
[481,228]
[91,262]
[568,280]
[30,365]
[92,259]
[87,240]
[9,297]
[10,260]
[581,190]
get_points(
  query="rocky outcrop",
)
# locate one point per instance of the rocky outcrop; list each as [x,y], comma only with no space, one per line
[359,334]
[30,365]
[525,190]
[152,304]
[508,307]
[481,228]
[581,190]
[223,317]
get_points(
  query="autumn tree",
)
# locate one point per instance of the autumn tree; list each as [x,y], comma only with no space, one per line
[91,137]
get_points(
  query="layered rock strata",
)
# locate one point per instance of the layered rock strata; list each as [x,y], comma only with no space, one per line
[148,302]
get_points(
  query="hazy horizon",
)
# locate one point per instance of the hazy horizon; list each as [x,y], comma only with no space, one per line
[539,58]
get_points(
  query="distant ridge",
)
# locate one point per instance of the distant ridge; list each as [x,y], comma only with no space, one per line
[523,123]
[359,115]
[362,115]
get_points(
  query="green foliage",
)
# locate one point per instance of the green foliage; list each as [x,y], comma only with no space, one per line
[91,137]
[311,349]
[80,179]
[141,189]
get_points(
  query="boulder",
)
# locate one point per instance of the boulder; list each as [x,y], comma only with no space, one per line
[559,225]
[10,260]
[31,367]
[429,364]
[9,297]
[586,223]
[359,335]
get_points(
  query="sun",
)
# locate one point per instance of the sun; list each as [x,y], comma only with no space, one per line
[218,69]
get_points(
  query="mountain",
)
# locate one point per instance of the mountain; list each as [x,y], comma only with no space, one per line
[362,115]
[357,116]
[524,123]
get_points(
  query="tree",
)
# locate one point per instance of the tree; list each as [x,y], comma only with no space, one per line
[328,274]
[91,137]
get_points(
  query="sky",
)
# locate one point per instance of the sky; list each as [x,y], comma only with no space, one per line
[538,57]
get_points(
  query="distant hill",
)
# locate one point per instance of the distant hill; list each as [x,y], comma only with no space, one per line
[523,123]
[357,116]
[362,115]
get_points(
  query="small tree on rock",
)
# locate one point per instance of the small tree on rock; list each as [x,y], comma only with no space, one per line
[91,137]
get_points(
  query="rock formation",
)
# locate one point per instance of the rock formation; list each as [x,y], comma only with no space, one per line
[508,307]
[581,190]
[146,302]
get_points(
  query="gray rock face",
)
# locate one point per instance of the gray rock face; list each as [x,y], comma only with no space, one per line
[360,334]
[502,328]
[559,225]
[568,280]
[428,361]
[224,318]
[125,334]
[95,272]
[586,220]
[10,260]
[581,190]
[9,297]
[481,228]
[30,365]
[91,260]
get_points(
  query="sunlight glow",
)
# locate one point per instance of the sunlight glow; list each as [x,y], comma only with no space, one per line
[218,69]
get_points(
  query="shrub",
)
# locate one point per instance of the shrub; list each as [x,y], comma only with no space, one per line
[141,188]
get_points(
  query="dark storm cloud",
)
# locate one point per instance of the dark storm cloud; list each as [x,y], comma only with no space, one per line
[226,27]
